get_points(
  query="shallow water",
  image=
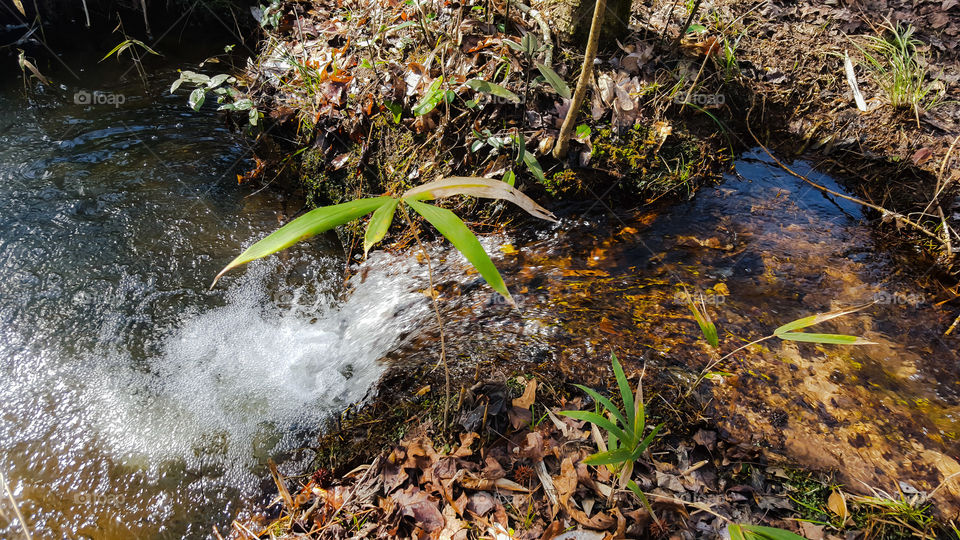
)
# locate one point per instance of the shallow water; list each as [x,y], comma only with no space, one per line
[763,248]
[136,402]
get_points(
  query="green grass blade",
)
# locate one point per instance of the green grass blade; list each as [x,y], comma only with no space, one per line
[305,226]
[612,457]
[707,327]
[600,421]
[379,224]
[835,339]
[451,227]
[638,451]
[145,47]
[768,533]
[555,81]
[736,531]
[606,403]
[492,89]
[816,319]
[626,393]
[640,495]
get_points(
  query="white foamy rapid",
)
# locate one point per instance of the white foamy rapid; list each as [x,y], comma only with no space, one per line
[243,381]
[133,438]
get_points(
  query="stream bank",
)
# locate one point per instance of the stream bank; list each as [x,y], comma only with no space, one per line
[764,249]
[375,105]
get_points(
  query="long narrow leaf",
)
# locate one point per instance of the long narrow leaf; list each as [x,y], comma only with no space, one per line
[736,531]
[534,166]
[816,319]
[768,533]
[626,393]
[835,339]
[606,403]
[642,496]
[555,81]
[612,457]
[638,451]
[477,187]
[379,224]
[493,89]
[707,327]
[598,420]
[305,226]
[451,227]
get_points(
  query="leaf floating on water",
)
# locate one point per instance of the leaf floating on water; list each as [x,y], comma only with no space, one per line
[817,319]
[833,339]
[306,226]
[478,187]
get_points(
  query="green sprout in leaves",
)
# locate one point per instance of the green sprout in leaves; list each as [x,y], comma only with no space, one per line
[625,428]
[740,531]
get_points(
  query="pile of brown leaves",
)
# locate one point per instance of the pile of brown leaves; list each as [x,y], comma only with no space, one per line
[513,474]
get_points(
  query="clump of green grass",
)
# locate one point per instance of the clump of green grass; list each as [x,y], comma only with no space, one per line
[900,70]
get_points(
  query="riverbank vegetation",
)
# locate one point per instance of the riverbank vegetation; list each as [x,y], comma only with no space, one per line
[381,98]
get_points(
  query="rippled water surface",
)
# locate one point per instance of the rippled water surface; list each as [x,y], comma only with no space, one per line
[135,402]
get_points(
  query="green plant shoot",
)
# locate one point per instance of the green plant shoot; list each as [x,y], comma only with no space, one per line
[383,208]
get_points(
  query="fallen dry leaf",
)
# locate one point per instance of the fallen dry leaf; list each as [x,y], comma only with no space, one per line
[418,505]
[529,395]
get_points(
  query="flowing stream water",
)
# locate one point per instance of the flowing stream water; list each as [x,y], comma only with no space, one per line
[136,403]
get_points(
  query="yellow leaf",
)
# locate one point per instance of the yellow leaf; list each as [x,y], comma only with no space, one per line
[837,504]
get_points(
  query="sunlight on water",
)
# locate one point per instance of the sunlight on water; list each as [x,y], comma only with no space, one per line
[135,403]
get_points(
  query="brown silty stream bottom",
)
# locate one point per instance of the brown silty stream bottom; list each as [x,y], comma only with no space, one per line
[764,248]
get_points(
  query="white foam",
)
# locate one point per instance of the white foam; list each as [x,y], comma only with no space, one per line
[240,382]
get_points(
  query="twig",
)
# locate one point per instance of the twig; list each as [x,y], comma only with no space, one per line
[146,22]
[886,213]
[952,326]
[436,310]
[686,24]
[353,492]
[586,75]
[16,508]
[544,28]
[941,185]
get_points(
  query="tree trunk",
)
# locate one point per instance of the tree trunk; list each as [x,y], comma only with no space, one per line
[571,19]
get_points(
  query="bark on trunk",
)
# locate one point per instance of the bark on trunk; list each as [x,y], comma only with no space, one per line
[571,19]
